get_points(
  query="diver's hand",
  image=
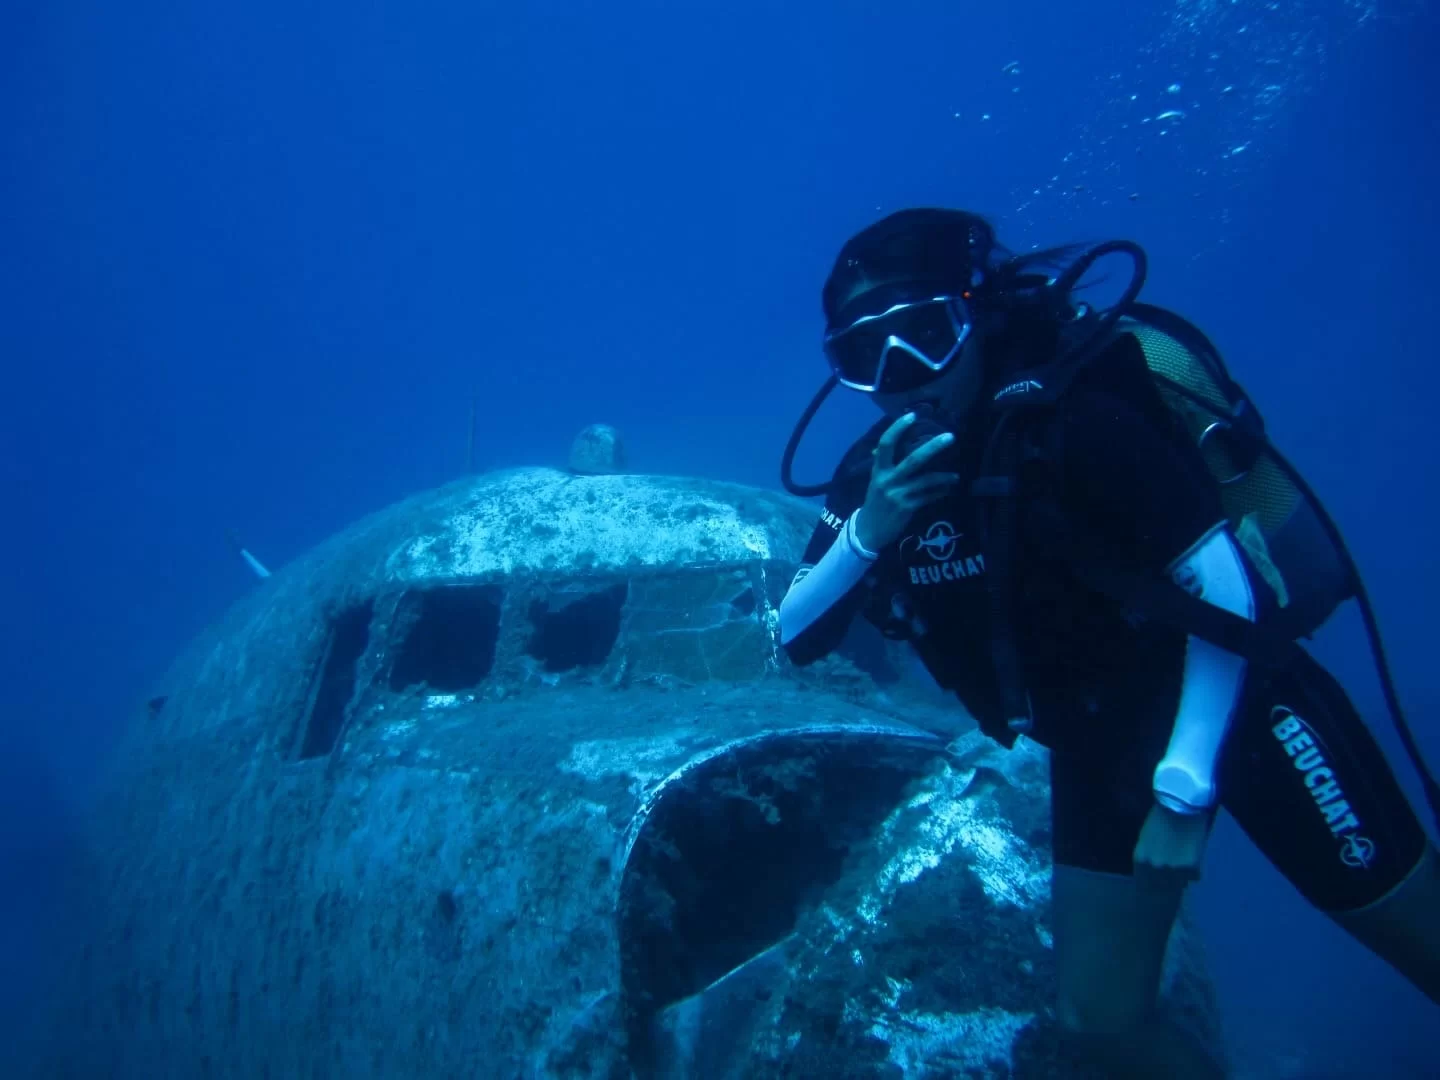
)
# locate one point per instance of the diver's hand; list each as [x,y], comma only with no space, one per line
[1172,844]
[897,490]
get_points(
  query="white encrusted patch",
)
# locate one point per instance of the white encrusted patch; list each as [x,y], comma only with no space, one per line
[1009,870]
[447,701]
[645,761]
[895,989]
[397,730]
[942,1044]
[531,519]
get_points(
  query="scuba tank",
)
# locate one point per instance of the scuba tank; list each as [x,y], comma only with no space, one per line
[1277,517]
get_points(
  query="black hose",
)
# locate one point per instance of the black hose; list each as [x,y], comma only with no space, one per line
[787,461]
[1067,281]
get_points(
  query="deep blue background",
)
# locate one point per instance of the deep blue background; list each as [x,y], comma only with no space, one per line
[254,260]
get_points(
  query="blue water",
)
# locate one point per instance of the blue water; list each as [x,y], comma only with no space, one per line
[254,260]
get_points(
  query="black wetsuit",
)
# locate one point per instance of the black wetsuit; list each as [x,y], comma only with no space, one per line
[1299,770]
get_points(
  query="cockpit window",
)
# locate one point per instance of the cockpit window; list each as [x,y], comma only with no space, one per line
[346,642]
[576,630]
[448,636]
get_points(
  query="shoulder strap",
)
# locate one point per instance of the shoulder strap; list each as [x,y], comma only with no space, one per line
[997,489]
[1162,600]
[1020,409]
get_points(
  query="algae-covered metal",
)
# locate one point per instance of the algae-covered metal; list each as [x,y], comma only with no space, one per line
[513,780]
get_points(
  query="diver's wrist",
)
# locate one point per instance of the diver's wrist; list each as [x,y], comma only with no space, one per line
[1178,806]
[862,545]
[1182,787]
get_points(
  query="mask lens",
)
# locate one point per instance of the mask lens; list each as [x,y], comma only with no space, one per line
[929,329]
[901,349]
[855,352]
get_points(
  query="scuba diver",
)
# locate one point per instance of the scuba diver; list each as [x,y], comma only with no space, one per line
[1076,520]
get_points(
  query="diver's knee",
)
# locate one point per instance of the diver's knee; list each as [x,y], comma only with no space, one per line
[1090,1037]
[1100,1018]
[1403,927]
[1134,1045]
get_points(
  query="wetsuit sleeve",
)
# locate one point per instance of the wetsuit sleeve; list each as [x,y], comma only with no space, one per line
[1184,779]
[828,589]
[1151,496]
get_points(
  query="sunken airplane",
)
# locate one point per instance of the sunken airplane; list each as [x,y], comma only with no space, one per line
[512,779]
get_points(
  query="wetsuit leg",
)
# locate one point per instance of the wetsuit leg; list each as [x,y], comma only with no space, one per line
[1111,930]
[1305,779]
[1101,763]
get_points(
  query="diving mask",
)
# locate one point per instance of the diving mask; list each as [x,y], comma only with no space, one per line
[902,348]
